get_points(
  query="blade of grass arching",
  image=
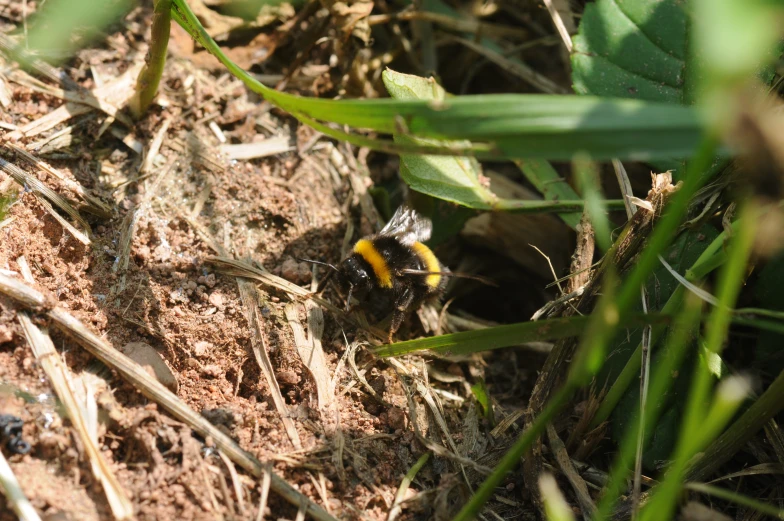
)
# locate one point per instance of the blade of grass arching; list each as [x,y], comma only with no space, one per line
[711,258]
[699,428]
[467,342]
[389,146]
[734,497]
[686,323]
[514,125]
[517,126]
[552,186]
[611,311]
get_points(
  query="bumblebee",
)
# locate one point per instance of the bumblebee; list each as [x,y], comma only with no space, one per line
[397,262]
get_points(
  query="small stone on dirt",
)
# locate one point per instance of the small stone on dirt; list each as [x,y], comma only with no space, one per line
[216,299]
[288,377]
[290,270]
[212,370]
[5,334]
[304,273]
[378,384]
[202,349]
[396,418]
[219,416]
[146,356]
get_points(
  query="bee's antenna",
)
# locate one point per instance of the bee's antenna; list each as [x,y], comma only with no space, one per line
[319,263]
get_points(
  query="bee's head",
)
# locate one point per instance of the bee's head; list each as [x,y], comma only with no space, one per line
[354,276]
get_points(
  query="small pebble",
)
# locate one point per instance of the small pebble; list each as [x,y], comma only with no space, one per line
[216,299]
[290,270]
[212,370]
[288,377]
[202,349]
[396,418]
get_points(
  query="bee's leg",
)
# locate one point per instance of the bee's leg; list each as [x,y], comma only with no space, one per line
[402,303]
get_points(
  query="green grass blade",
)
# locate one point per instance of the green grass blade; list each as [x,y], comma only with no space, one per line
[734,497]
[150,75]
[634,49]
[468,342]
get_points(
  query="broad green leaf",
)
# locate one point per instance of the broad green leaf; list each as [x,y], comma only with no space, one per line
[451,178]
[409,87]
[634,49]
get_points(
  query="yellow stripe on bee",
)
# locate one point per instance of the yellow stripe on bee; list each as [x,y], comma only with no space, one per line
[431,263]
[369,252]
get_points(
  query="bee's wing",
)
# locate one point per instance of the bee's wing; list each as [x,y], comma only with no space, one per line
[408,226]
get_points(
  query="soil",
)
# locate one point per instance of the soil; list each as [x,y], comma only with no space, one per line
[188,204]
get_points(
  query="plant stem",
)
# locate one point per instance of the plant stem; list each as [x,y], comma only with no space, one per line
[150,75]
